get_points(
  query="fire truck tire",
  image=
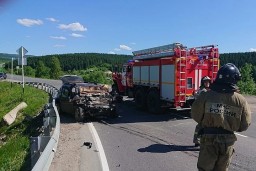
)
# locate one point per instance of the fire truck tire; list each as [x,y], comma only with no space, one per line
[79,114]
[188,104]
[140,99]
[153,102]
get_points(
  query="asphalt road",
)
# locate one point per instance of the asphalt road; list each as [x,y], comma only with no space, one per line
[141,141]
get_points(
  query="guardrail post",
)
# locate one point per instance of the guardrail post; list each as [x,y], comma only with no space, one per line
[44,142]
[47,127]
[34,149]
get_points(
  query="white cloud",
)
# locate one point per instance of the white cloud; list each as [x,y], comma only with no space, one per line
[133,43]
[252,49]
[117,49]
[52,19]
[29,22]
[124,47]
[73,27]
[58,37]
[59,45]
[76,35]
[111,52]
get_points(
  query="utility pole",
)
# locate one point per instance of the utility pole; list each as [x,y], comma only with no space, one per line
[12,72]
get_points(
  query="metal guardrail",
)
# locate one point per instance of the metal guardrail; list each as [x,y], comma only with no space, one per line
[43,147]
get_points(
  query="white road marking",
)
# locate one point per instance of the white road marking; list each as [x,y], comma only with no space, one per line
[241,135]
[104,162]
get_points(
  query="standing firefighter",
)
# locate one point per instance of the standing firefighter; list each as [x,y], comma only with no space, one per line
[205,84]
[220,111]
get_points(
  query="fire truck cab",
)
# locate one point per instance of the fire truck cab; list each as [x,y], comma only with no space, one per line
[166,76]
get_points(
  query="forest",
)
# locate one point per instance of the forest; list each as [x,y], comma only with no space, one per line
[96,67]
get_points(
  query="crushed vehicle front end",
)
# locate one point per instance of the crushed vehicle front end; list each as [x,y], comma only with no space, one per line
[93,100]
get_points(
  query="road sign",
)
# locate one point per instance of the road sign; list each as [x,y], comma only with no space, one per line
[22,60]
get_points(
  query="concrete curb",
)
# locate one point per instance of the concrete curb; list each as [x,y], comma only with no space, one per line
[10,117]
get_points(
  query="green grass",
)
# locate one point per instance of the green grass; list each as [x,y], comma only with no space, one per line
[15,148]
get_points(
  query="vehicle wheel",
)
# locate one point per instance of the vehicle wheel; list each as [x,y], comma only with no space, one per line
[79,114]
[140,99]
[113,113]
[153,102]
[57,104]
[59,109]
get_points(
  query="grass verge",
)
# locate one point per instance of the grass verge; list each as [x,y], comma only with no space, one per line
[14,139]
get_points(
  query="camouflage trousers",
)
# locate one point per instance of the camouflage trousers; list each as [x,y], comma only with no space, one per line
[214,156]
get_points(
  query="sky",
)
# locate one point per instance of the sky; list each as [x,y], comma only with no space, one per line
[49,27]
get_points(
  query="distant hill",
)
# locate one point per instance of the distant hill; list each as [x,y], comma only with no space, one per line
[75,61]
[5,57]
[8,56]
[78,61]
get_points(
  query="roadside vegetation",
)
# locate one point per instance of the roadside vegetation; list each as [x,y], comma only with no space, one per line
[15,139]
[93,67]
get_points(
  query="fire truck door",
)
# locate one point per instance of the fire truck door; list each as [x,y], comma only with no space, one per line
[198,76]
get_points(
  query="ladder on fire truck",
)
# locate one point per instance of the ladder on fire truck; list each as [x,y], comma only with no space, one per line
[209,52]
[156,52]
[215,62]
[181,77]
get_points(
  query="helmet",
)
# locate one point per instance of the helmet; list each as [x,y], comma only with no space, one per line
[229,74]
[205,78]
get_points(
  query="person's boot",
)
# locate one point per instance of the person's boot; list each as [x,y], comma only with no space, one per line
[197,144]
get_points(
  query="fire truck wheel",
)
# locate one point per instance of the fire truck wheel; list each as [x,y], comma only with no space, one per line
[153,102]
[79,114]
[140,99]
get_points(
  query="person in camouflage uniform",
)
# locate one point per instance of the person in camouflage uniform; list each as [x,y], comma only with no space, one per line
[205,84]
[221,111]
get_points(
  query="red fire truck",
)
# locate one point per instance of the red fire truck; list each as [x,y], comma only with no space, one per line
[166,76]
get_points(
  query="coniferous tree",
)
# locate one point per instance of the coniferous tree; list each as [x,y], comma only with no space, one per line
[55,71]
[247,85]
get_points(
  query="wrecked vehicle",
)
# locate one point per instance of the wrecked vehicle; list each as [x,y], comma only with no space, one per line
[85,100]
